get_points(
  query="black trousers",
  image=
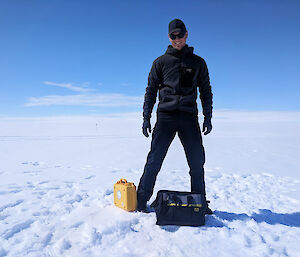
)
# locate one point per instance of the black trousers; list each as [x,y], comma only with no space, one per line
[187,126]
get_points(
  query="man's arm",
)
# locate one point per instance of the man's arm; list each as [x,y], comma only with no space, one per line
[206,98]
[154,79]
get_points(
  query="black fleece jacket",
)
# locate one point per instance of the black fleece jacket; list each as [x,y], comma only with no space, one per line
[177,75]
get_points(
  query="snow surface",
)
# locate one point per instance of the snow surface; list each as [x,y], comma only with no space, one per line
[57,176]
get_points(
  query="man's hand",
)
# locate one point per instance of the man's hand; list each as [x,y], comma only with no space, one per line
[146,127]
[207,127]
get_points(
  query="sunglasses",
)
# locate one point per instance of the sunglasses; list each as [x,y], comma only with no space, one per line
[180,35]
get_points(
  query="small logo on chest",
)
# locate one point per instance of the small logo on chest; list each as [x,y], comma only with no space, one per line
[189,70]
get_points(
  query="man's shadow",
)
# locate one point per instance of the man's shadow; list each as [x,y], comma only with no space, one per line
[264,215]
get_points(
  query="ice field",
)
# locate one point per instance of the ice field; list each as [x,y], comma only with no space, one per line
[57,176]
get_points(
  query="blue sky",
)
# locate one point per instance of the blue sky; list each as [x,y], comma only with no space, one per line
[80,57]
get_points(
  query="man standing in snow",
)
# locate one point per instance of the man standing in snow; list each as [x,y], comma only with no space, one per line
[176,75]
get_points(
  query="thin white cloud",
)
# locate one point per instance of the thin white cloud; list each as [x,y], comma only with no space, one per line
[100,100]
[69,86]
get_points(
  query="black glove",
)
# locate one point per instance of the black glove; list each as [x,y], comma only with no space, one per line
[146,126]
[207,127]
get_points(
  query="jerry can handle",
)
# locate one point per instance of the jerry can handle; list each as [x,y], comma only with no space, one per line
[122,180]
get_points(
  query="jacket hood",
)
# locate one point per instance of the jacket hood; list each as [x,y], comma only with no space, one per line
[180,53]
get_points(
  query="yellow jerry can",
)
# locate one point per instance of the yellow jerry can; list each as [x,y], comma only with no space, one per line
[125,195]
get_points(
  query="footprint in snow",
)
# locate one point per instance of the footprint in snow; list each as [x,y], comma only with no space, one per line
[65,246]
[46,241]
[32,172]
[10,192]
[32,163]
[3,217]
[29,184]
[10,205]
[17,229]
[78,199]
[77,224]
[14,186]
[89,177]
[43,182]
[108,192]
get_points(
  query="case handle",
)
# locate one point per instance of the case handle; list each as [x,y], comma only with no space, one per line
[122,180]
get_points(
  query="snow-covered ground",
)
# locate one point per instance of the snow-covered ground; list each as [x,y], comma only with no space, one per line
[57,176]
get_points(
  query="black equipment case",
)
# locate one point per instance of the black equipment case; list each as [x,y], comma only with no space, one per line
[179,208]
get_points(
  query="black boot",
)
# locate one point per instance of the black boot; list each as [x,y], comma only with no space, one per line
[208,210]
[142,208]
[141,204]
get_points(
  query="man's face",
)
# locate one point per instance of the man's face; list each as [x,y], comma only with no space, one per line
[178,43]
